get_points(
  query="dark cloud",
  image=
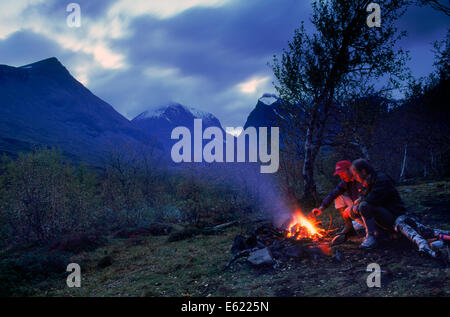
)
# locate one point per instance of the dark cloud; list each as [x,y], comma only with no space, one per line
[24,47]
[225,44]
[201,53]
[218,47]
[424,26]
[57,8]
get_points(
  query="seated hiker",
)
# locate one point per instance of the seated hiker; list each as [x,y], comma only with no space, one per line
[380,203]
[344,195]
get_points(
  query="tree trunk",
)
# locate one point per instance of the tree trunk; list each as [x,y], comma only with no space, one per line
[362,147]
[433,163]
[402,226]
[364,150]
[309,185]
[403,169]
[313,142]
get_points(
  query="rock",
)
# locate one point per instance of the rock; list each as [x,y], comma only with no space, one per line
[260,257]
[104,262]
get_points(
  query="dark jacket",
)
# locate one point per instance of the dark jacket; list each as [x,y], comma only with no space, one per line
[382,192]
[352,189]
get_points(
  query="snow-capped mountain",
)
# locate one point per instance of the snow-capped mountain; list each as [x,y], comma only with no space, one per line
[160,121]
[269,99]
[178,114]
[266,112]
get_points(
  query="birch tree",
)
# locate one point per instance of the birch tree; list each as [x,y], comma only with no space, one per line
[318,69]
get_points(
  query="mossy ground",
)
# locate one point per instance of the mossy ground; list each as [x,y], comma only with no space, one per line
[152,266]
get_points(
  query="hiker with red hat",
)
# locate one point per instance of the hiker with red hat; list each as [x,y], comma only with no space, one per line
[344,196]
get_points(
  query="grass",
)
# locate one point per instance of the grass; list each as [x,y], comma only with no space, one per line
[152,266]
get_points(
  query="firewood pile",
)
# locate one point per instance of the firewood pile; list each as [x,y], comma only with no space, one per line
[268,246]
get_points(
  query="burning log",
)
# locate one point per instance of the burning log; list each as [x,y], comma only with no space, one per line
[302,238]
[301,227]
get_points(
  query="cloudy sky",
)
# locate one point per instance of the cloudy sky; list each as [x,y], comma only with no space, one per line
[209,54]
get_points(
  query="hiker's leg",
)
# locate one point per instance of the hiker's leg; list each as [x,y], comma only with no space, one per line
[367,214]
[342,204]
[384,218]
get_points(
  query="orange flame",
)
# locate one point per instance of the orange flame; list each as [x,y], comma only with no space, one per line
[300,227]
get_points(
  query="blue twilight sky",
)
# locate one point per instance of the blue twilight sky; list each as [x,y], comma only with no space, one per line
[208,54]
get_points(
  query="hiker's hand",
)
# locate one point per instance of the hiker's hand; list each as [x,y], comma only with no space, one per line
[356,202]
[317,212]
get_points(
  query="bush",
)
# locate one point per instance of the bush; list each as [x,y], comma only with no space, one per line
[18,272]
[43,197]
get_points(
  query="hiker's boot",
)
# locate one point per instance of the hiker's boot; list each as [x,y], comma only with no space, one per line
[346,232]
[369,241]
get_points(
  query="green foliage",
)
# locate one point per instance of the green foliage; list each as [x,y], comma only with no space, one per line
[201,201]
[17,273]
[343,59]
[191,204]
[43,197]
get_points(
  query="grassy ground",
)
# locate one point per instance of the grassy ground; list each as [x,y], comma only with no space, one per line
[152,266]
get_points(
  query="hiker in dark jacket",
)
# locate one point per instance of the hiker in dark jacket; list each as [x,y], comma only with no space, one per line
[380,202]
[344,195]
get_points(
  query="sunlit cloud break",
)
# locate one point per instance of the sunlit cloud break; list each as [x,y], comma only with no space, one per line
[162,8]
[235,131]
[253,85]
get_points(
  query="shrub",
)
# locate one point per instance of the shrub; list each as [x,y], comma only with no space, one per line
[43,197]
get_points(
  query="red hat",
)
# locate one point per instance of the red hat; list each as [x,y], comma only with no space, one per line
[342,166]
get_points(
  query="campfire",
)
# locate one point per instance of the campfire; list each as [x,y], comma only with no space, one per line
[300,228]
[301,238]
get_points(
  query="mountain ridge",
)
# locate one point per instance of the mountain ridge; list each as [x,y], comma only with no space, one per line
[44,105]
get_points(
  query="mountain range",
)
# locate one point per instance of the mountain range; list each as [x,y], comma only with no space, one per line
[42,104]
